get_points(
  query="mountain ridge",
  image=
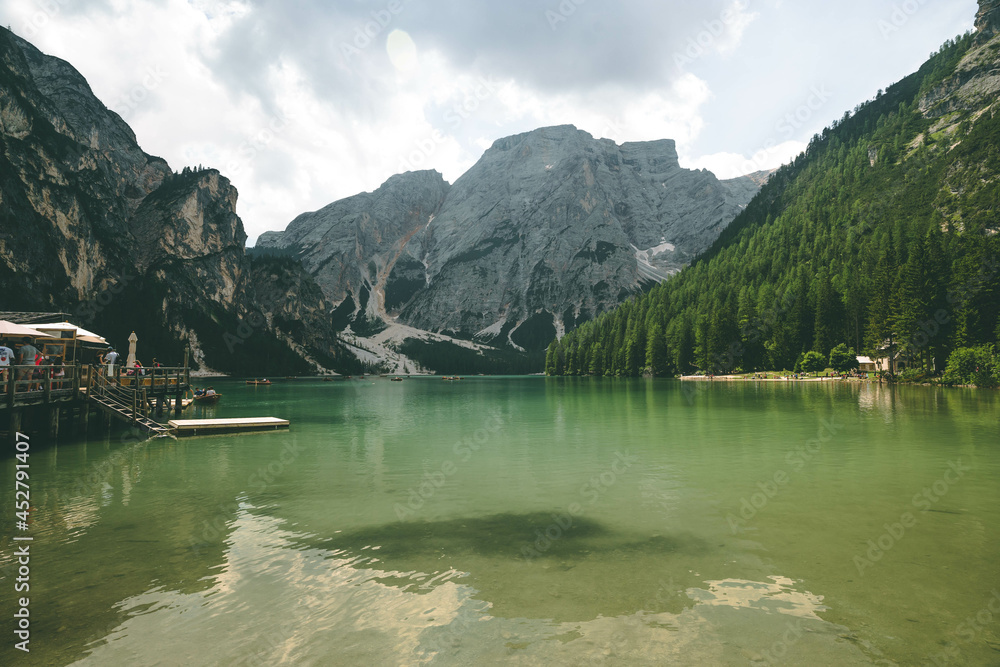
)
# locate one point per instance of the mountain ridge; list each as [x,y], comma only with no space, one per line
[549,228]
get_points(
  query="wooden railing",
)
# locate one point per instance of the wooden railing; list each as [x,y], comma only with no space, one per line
[25,382]
[158,380]
[36,384]
[133,398]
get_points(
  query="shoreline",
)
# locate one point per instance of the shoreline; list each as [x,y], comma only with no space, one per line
[739,378]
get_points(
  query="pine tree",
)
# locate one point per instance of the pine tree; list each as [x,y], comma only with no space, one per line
[597,360]
[656,352]
[881,334]
[550,358]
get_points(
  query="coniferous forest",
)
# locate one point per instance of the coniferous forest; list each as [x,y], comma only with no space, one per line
[880,238]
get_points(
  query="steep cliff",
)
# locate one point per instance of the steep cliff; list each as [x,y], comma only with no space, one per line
[988,18]
[72,176]
[93,225]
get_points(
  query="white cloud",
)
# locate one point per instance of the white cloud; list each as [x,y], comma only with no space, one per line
[264,91]
[731,165]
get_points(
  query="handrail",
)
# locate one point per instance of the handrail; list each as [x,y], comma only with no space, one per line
[161,376]
[21,380]
[28,381]
[101,387]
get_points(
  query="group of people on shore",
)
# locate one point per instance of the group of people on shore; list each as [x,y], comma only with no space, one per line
[28,355]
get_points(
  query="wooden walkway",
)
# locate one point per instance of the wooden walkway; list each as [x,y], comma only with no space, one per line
[128,414]
[132,399]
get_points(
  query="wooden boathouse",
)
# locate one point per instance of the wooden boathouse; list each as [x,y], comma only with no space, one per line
[62,388]
[76,392]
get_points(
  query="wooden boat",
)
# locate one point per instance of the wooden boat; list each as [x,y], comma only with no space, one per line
[258,382]
[396,380]
[207,399]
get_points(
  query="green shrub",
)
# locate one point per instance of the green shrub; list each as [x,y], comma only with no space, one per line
[813,362]
[973,365]
[912,375]
[843,359]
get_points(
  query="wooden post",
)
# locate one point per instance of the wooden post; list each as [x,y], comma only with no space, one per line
[85,417]
[178,404]
[15,423]
[85,422]
[53,422]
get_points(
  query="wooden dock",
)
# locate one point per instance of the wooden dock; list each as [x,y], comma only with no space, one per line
[190,427]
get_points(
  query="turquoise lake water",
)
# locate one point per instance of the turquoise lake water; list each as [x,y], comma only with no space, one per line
[526,521]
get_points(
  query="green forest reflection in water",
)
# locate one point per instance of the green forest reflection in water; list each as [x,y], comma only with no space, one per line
[532,521]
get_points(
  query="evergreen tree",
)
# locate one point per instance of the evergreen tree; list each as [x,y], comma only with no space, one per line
[656,352]
[597,360]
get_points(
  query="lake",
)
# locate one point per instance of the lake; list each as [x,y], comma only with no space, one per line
[526,521]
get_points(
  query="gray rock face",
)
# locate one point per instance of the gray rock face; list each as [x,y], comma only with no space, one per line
[988,17]
[548,229]
[353,246]
[975,83]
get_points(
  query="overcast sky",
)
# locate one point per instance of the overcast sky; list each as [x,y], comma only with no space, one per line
[303,103]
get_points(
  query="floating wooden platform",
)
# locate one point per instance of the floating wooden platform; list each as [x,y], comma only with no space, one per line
[188,427]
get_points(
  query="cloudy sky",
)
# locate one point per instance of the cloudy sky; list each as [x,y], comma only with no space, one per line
[301,103]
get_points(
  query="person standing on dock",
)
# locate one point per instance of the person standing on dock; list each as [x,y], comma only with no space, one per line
[111,358]
[6,356]
[26,357]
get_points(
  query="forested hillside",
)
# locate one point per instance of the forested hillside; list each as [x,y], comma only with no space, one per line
[883,234]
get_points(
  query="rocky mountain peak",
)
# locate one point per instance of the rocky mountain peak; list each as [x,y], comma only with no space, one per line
[555,133]
[988,17]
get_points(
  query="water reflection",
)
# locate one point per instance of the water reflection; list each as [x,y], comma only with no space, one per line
[287,547]
[355,608]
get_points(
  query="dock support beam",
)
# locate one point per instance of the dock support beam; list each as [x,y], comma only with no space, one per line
[52,422]
[85,418]
[15,424]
